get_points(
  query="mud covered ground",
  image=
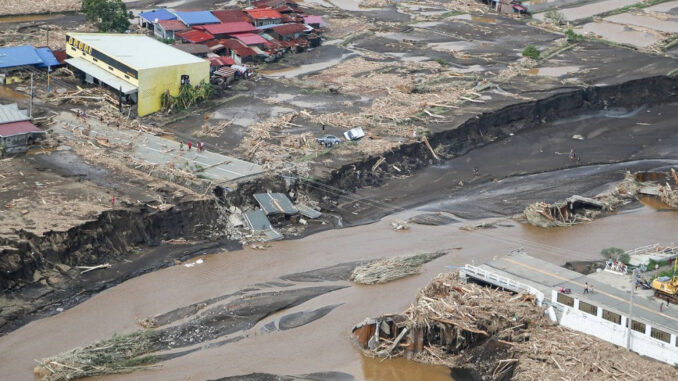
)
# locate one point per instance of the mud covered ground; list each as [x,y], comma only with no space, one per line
[527,120]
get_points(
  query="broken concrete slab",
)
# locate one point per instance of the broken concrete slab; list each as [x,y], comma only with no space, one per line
[308,211]
[275,203]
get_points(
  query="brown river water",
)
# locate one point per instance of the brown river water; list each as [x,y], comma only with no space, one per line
[322,345]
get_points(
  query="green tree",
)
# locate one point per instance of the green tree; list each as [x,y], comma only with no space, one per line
[109,15]
[615,253]
[531,51]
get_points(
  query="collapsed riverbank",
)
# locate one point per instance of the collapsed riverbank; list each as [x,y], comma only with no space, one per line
[118,236]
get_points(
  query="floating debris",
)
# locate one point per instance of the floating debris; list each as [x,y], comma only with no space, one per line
[496,335]
[388,269]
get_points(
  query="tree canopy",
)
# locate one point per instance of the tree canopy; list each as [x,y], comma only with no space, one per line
[109,15]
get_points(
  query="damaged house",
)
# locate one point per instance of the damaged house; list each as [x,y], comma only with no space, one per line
[17,133]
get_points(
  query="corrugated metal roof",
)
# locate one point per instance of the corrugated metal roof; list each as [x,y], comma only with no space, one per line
[222,61]
[193,48]
[225,72]
[275,203]
[239,48]
[195,36]
[18,56]
[229,28]
[263,13]
[158,14]
[312,19]
[172,25]
[138,51]
[308,212]
[18,128]
[230,15]
[10,113]
[102,75]
[257,220]
[287,29]
[250,38]
[259,223]
[47,57]
[197,17]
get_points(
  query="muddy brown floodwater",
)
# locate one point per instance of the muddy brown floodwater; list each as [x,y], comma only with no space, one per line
[324,344]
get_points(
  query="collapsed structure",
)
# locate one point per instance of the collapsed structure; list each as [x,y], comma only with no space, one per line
[498,334]
[577,209]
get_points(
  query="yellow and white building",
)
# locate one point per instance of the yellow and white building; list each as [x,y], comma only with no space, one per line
[140,67]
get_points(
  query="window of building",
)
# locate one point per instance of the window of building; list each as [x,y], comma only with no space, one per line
[110,68]
[588,308]
[126,76]
[566,300]
[95,60]
[660,335]
[611,316]
[638,326]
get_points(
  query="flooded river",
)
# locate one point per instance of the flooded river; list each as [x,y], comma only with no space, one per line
[324,344]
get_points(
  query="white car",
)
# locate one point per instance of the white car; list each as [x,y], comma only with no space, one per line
[354,134]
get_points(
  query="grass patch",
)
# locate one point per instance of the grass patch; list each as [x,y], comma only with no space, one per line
[442,62]
[531,51]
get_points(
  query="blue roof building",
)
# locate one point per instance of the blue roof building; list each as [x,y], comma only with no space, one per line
[47,57]
[148,18]
[197,18]
[14,56]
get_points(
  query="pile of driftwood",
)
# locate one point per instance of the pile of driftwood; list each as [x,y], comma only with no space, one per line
[578,209]
[388,269]
[497,335]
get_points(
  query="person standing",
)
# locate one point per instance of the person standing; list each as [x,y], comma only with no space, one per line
[189,144]
[586,287]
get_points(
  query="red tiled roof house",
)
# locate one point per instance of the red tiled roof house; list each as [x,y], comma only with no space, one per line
[264,16]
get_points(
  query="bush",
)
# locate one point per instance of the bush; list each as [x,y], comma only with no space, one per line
[531,51]
[573,37]
[441,61]
[555,17]
[109,15]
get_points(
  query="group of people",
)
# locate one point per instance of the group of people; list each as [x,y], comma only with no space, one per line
[200,146]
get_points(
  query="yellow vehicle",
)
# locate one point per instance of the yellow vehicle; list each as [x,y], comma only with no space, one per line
[667,287]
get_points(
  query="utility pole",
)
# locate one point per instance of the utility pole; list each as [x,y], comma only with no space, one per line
[49,71]
[48,38]
[630,321]
[120,100]
[30,105]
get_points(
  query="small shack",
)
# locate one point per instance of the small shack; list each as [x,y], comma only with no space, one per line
[17,133]
[264,16]
[165,29]
[148,19]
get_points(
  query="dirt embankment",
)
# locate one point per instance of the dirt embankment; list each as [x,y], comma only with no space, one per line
[113,235]
[116,235]
[493,126]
